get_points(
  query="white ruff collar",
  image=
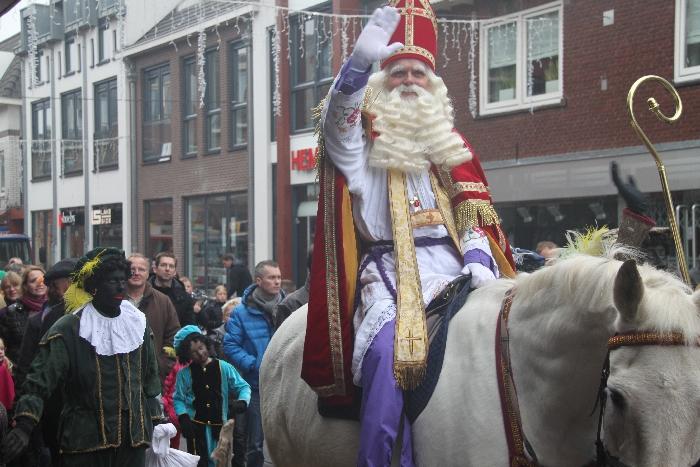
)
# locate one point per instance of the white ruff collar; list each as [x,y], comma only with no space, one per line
[110,336]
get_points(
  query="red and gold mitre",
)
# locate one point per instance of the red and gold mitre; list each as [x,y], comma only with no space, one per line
[417,30]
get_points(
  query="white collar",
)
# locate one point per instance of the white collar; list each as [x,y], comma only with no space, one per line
[110,336]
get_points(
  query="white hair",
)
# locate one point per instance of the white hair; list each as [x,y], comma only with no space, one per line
[413,132]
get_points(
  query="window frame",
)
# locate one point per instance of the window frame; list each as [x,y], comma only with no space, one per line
[69,56]
[237,106]
[212,112]
[72,142]
[682,74]
[189,119]
[43,106]
[104,52]
[318,81]
[111,142]
[158,71]
[521,100]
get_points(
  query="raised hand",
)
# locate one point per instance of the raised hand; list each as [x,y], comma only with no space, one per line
[634,199]
[373,43]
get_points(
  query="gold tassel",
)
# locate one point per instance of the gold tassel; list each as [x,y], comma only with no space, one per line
[169,351]
[467,213]
[409,376]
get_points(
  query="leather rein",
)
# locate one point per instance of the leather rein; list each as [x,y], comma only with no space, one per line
[517,442]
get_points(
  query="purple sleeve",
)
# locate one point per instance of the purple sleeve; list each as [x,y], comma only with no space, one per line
[478,256]
[352,79]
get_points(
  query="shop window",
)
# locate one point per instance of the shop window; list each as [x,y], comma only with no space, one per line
[239,95]
[520,60]
[72,133]
[157,140]
[189,111]
[687,43]
[72,224]
[212,100]
[312,67]
[41,140]
[107,225]
[106,126]
[159,225]
[215,225]
[42,238]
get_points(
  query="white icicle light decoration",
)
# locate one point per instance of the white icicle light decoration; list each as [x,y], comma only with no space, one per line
[472,69]
[201,79]
[31,45]
[276,49]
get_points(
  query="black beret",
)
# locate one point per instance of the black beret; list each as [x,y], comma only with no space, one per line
[63,268]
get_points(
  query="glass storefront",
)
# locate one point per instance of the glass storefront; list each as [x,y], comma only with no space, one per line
[107,228]
[159,225]
[215,225]
[72,224]
[305,203]
[42,238]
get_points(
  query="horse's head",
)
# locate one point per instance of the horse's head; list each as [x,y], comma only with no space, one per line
[652,416]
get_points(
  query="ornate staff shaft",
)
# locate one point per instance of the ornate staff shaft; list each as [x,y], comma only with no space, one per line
[654,107]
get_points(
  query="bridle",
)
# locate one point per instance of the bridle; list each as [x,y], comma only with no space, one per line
[633,339]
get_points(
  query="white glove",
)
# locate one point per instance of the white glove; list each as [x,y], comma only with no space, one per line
[480,274]
[372,45]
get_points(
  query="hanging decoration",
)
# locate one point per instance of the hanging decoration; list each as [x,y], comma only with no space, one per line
[201,48]
[32,45]
[276,50]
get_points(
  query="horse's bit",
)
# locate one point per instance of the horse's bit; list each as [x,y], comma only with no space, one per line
[603,456]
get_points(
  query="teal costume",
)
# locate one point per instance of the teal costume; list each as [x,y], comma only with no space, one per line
[203,394]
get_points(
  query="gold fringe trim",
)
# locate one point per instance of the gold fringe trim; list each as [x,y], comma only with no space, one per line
[169,351]
[409,376]
[467,213]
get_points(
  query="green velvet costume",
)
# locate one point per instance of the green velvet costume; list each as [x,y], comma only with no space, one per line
[99,390]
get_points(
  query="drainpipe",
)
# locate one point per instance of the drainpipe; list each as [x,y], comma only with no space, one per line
[86,150]
[247,40]
[24,149]
[131,77]
[56,161]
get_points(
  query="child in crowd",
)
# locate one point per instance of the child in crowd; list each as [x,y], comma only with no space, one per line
[217,336]
[210,317]
[168,403]
[201,393]
[7,385]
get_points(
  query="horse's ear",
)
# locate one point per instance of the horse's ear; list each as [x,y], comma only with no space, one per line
[628,290]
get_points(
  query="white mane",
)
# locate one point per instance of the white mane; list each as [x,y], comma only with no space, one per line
[586,283]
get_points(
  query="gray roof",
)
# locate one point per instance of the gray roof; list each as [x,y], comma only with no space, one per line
[11,81]
[181,19]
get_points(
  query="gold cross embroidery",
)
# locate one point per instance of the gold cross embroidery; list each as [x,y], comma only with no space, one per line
[411,339]
[410,11]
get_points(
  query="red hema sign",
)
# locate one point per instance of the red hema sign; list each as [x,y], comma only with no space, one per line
[304,159]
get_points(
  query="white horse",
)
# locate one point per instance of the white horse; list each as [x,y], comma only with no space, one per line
[560,321]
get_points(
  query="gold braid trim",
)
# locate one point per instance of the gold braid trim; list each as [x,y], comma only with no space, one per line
[467,213]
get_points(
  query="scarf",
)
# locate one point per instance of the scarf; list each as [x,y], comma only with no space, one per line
[34,305]
[257,301]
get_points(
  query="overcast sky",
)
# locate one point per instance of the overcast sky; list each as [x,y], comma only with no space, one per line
[10,22]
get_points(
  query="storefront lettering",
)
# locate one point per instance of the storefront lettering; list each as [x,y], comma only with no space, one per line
[304,159]
[66,219]
[102,216]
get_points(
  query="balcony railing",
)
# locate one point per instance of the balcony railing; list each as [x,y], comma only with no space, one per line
[41,159]
[106,154]
[71,157]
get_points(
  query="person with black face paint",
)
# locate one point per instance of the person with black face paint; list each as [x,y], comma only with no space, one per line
[102,354]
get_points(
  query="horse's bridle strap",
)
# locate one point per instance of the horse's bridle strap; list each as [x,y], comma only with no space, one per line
[646,338]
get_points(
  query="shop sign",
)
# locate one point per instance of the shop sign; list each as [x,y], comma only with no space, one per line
[102,216]
[304,159]
[66,218]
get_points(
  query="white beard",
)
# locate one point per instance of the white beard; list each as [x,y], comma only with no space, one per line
[414,131]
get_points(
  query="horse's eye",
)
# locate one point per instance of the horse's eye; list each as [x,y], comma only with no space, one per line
[617,398]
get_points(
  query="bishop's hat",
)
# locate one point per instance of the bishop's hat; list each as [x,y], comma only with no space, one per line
[417,30]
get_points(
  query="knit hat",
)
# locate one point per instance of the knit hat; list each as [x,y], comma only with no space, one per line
[183,333]
[63,268]
[76,296]
[417,30]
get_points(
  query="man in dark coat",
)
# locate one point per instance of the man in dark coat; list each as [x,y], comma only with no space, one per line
[164,281]
[238,277]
